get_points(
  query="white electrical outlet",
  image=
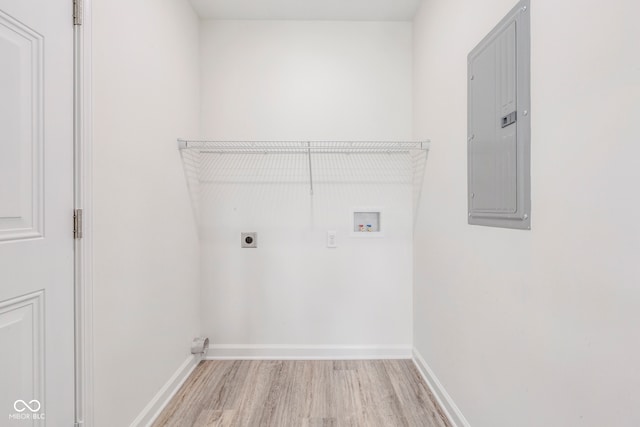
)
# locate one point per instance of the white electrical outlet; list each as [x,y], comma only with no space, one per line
[331,239]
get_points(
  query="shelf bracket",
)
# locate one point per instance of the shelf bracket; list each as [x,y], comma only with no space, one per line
[310,169]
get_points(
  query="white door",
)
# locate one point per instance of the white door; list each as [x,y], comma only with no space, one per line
[36,205]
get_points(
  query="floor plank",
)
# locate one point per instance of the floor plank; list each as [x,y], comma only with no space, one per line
[351,393]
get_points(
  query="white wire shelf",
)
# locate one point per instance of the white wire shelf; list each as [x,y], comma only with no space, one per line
[323,166]
[302,147]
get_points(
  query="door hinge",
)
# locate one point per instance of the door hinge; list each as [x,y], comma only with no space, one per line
[77,12]
[77,224]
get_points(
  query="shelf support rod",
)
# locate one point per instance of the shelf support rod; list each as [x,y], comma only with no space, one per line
[310,169]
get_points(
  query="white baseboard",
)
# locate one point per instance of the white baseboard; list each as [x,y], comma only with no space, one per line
[164,395]
[444,400]
[305,352]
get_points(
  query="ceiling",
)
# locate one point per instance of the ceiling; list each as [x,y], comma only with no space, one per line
[321,10]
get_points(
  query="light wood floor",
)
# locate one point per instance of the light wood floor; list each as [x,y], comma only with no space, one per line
[372,393]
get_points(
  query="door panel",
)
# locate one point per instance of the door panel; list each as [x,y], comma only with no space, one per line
[36,208]
[494,151]
[21,335]
[21,130]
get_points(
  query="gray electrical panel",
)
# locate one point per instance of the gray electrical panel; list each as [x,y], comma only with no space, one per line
[499,125]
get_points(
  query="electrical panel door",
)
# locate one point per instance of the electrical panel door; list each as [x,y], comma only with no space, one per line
[499,125]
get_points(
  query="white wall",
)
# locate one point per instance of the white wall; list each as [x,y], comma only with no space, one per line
[306,79]
[299,81]
[146,73]
[535,328]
